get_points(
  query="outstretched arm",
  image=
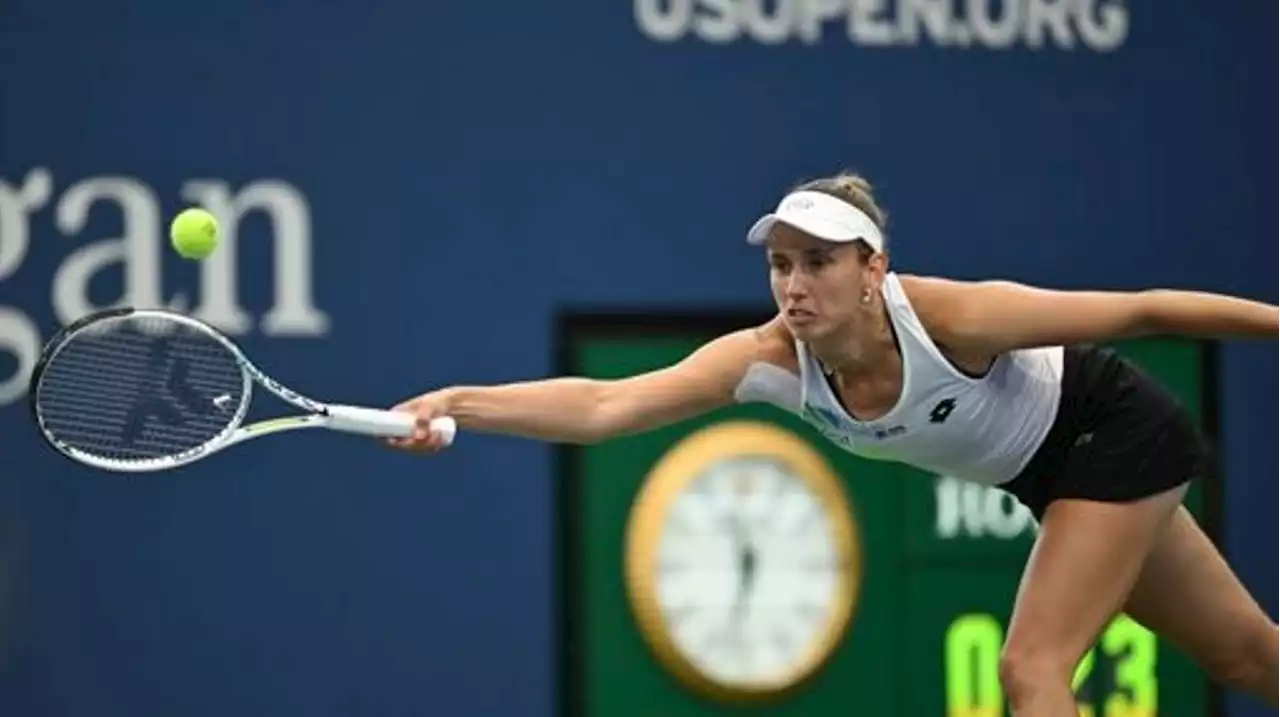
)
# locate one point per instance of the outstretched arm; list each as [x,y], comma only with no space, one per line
[996,316]
[583,410]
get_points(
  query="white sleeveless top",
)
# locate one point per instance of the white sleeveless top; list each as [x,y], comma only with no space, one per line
[983,430]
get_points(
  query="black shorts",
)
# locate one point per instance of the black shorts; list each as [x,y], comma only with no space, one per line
[1119,435]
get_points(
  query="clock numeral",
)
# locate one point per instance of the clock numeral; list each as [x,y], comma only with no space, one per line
[810,611]
[816,564]
[668,566]
[781,640]
[677,523]
[677,615]
[802,523]
[745,482]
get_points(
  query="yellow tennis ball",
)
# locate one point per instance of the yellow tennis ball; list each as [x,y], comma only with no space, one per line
[194,233]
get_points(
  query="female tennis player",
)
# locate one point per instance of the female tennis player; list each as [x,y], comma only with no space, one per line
[992,382]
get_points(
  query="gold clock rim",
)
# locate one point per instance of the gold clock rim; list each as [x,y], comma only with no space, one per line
[677,468]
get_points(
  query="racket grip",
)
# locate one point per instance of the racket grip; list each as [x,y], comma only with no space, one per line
[385,424]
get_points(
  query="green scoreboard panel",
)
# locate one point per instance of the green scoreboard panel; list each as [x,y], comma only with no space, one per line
[941,564]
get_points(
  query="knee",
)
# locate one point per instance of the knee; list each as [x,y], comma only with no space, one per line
[1250,664]
[1026,671]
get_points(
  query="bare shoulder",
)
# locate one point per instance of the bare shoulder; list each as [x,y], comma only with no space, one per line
[776,345]
[938,302]
[944,307]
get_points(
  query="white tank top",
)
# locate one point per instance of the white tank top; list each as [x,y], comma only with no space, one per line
[983,430]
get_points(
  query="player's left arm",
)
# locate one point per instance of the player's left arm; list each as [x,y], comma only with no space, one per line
[997,316]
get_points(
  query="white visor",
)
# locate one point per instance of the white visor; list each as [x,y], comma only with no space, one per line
[822,216]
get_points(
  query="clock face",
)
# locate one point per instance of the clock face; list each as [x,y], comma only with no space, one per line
[750,571]
[743,561]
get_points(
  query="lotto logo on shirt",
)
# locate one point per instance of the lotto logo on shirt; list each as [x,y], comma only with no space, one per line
[1089,25]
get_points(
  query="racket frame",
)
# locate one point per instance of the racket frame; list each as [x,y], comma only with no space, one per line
[337,417]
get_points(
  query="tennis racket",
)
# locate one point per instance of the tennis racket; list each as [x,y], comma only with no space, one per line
[137,390]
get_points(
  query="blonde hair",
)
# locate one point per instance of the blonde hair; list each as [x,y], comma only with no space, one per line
[856,190]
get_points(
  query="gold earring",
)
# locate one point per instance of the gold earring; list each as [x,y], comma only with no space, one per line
[866,296]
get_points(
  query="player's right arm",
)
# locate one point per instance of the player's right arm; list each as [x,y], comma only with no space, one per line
[584,410]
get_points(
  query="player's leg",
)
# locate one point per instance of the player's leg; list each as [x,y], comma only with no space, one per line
[1187,594]
[1084,563]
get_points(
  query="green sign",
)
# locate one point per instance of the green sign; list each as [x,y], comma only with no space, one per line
[941,564]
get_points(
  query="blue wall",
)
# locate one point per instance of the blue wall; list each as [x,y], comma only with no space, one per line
[509,159]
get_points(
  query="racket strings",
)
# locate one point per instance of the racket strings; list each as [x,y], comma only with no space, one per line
[138,388]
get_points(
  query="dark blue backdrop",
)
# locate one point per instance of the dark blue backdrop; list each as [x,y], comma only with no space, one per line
[440,179]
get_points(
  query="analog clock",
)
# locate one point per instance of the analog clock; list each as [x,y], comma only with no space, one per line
[742,560]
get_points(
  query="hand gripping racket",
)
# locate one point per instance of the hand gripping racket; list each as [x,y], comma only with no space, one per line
[134,390]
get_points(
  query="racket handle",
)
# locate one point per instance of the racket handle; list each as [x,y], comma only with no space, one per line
[385,424]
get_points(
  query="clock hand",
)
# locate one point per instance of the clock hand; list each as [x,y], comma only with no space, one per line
[746,569]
